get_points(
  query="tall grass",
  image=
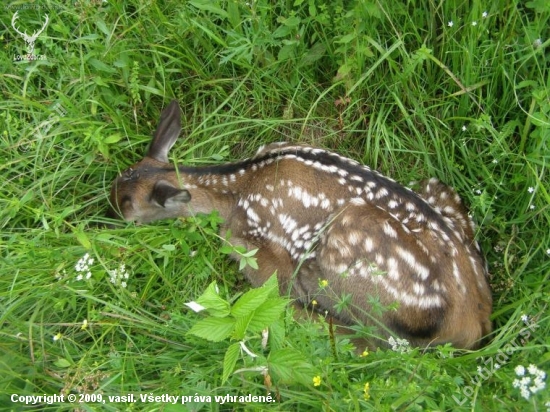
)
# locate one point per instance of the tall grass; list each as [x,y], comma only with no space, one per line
[459,90]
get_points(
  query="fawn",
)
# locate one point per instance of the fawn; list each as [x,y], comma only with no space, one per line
[314,215]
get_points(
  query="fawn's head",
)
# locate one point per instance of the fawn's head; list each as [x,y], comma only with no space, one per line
[148,190]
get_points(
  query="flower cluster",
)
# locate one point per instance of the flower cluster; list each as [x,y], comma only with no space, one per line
[82,267]
[119,276]
[529,384]
[399,345]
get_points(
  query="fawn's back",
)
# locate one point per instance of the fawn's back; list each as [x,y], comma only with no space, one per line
[316,216]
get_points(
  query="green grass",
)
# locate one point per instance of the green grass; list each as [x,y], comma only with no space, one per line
[391,84]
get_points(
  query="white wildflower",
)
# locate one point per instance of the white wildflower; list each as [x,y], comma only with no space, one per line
[530,189]
[82,267]
[520,370]
[118,276]
[450,24]
[529,384]
[533,370]
[484,14]
[399,345]
[474,23]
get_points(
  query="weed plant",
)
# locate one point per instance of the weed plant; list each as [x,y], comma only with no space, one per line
[459,90]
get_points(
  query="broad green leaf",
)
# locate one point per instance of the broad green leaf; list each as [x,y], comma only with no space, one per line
[241,326]
[289,365]
[82,238]
[113,138]
[276,335]
[226,249]
[266,314]
[249,302]
[229,360]
[62,363]
[273,284]
[252,299]
[281,31]
[212,301]
[213,329]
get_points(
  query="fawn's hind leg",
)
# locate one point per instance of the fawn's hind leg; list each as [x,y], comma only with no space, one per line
[378,274]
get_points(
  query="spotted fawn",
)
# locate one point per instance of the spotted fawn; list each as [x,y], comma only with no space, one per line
[314,215]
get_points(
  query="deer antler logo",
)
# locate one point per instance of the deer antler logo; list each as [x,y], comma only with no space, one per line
[30,40]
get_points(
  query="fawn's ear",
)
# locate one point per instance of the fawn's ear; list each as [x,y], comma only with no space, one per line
[167,132]
[169,196]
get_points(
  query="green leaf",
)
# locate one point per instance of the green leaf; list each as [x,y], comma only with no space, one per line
[82,238]
[289,365]
[226,249]
[266,314]
[241,326]
[113,138]
[209,5]
[102,27]
[346,39]
[372,9]
[540,6]
[249,302]
[252,299]
[292,21]
[273,284]
[250,253]
[62,363]
[99,65]
[212,301]
[276,335]
[213,329]
[316,52]
[248,261]
[540,119]
[282,31]
[229,360]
